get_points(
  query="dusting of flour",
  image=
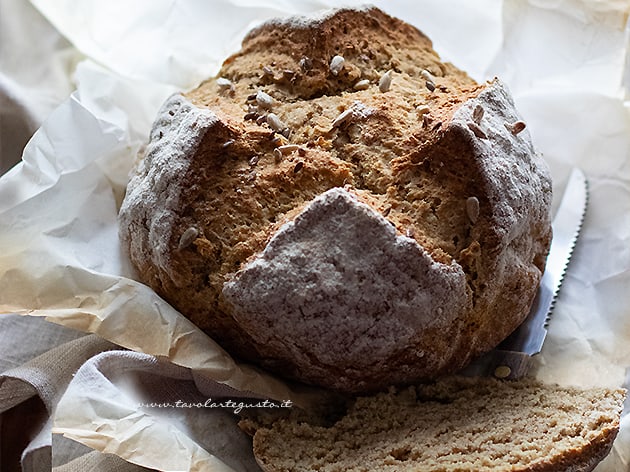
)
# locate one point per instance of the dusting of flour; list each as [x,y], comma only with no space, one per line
[154,190]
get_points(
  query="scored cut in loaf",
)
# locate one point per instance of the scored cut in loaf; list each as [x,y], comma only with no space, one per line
[456,424]
[340,206]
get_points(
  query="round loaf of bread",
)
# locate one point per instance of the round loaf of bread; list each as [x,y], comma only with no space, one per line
[341,207]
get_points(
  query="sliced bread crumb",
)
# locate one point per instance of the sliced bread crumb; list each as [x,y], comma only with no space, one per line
[458,424]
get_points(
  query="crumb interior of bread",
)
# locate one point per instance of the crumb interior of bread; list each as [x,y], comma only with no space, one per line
[482,427]
[379,154]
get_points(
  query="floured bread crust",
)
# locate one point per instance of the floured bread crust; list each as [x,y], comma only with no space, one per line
[341,207]
[339,276]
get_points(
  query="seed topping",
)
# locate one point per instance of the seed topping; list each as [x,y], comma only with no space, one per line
[516,127]
[336,64]
[306,63]
[268,71]
[478,114]
[225,84]
[187,237]
[342,118]
[275,123]
[472,209]
[385,81]
[422,109]
[357,111]
[287,149]
[362,84]
[264,100]
[251,115]
[426,75]
[476,130]
[279,140]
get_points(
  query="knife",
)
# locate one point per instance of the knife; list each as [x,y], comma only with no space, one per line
[513,357]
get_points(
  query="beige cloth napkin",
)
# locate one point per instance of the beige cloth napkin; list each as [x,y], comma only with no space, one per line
[141,385]
[98,462]
[50,361]
[41,358]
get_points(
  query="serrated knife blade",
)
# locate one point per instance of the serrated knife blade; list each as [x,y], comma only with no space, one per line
[512,358]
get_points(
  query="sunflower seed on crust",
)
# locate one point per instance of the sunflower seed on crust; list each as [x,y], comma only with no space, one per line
[223,82]
[342,118]
[187,237]
[275,123]
[264,100]
[426,75]
[287,148]
[251,115]
[477,114]
[385,81]
[516,127]
[472,209]
[336,64]
[476,130]
[306,63]
[362,85]
[422,109]
[267,71]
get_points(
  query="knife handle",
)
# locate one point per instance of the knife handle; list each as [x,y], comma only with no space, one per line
[504,365]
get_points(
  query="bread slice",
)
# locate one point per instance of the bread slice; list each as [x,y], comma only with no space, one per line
[457,424]
[342,207]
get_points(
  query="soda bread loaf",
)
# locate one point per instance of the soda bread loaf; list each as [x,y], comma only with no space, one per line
[457,424]
[341,207]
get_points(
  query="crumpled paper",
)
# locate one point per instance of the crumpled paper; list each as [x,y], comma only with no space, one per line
[564,62]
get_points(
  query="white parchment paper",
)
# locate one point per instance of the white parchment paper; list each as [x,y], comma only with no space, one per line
[563,60]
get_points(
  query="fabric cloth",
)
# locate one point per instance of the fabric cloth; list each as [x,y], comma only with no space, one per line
[157,396]
[30,390]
